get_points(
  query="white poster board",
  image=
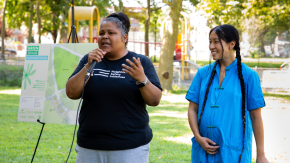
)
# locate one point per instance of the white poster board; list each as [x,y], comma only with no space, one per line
[47,68]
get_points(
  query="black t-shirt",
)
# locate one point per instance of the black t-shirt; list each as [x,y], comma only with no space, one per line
[113,114]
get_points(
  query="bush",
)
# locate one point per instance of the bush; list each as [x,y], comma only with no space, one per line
[254,54]
[11,75]
[152,59]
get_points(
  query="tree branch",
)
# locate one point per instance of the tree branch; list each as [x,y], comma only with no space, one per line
[156,9]
[48,30]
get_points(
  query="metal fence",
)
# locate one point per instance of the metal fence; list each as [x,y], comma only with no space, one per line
[140,48]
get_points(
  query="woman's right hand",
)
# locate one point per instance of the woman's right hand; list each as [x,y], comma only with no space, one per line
[96,54]
[207,145]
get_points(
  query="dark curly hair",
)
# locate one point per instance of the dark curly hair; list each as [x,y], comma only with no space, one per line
[122,22]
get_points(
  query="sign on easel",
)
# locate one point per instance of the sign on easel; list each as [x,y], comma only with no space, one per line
[47,68]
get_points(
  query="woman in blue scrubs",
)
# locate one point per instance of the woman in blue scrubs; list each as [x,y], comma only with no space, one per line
[225,105]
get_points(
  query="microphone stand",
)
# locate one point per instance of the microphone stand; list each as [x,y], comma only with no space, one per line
[73,34]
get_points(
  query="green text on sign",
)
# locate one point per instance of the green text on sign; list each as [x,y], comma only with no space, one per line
[32,52]
[32,47]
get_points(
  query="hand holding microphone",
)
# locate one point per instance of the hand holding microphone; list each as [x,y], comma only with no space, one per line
[95,56]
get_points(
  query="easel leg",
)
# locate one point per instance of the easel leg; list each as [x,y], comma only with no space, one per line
[38,139]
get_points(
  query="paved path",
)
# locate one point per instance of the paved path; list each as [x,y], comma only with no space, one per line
[16,92]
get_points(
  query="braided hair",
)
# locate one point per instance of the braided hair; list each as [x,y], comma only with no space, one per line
[229,33]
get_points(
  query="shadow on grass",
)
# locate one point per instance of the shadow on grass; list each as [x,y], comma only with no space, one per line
[162,150]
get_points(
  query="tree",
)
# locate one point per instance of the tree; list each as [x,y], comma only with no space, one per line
[120,7]
[101,4]
[38,20]
[165,69]
[257,18]
[3,30]
[150,11]
[147,21]
[223,12]
[50,14]
[272,15]
[57,7]
[30,21]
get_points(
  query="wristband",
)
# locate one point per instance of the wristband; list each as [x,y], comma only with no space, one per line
[86,68]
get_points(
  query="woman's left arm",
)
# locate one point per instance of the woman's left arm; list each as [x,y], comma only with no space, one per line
[150,93]
[258,129]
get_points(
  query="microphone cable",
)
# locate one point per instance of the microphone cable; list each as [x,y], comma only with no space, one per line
[76,122]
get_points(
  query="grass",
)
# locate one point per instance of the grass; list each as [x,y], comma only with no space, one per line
[162,150]
[250,64]
[18,139]
[8,88]
[178,91]
[286,97]
[263,64]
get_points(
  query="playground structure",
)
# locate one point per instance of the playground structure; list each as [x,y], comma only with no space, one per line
[182,43]
[90,13]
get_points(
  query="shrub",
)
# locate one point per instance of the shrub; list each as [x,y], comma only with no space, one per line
[254,54]
[11,75]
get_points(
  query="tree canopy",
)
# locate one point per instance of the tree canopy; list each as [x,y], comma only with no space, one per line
[53,13]
[263,20]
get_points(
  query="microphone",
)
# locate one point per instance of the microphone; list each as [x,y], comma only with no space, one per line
[90,69]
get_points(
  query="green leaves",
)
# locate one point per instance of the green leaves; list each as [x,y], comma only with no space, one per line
[52,12]
[26,74]
[260,19]
[223,12]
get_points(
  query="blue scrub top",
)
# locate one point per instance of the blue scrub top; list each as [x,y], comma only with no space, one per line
[221,120]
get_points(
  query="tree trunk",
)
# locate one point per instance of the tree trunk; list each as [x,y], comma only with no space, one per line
[121,6]
[92,2]
[61,25]
[261,38]
[30,22]
[54,32]
[3,31]
[147,21]
[54,35]
[38,21]
[165,70]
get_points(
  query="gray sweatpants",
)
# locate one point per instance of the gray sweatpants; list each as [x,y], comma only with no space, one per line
[136,155]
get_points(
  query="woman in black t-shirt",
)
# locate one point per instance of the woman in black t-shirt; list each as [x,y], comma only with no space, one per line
[113,122]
